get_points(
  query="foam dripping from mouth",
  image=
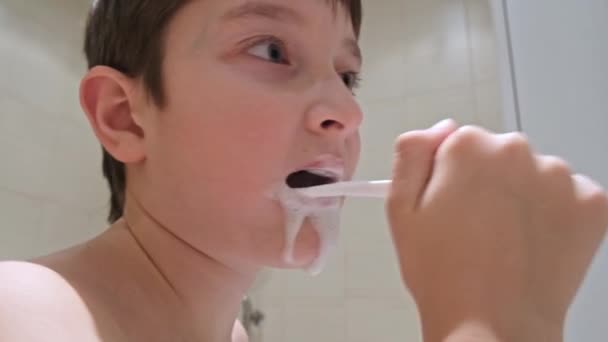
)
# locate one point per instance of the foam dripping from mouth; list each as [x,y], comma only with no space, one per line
[324,216]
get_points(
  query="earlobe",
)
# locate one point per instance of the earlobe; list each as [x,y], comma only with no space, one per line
[107,97]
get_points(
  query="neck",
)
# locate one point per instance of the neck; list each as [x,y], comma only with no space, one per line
[209,291]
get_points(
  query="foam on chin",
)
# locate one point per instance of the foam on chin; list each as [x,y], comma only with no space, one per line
[323,214]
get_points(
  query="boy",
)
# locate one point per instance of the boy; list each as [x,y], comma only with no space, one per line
[206,107]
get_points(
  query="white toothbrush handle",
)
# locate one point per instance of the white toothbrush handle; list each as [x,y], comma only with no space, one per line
[373,189]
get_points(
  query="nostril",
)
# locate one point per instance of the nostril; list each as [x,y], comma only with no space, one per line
[330,123]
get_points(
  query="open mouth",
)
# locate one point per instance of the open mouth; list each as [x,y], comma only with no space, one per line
[310,178]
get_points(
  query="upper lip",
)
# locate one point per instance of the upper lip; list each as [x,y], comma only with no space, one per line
[327,164]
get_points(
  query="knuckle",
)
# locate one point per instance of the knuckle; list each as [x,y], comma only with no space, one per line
[553,165]
[406,140]
[464,139]
[594,194]
[515,143]
[600,197]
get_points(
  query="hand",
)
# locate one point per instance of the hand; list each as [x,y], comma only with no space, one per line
[492,240]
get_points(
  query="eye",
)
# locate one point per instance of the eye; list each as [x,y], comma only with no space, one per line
[351,79]
[270,49]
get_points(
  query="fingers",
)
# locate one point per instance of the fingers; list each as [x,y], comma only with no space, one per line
[593,197]
[414,156]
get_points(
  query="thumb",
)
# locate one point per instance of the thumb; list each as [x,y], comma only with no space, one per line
[414,159]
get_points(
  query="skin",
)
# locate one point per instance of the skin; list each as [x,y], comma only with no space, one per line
[198,223]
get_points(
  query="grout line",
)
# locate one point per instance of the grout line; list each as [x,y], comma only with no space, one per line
[52,200]
[511,61]
[472,73]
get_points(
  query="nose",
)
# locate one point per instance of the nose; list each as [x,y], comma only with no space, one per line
[335,111]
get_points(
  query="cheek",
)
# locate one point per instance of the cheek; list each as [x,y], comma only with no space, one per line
[214,154]
[354,151]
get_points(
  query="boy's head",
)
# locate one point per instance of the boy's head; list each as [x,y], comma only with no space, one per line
[211,102]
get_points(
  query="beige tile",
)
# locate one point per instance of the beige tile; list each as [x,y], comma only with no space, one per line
[21,217]
[270,287]
[364,222]
[490,113]
[76,169]
[62,226]
[315,323]
[425,110]
[483,39]
[435,45]
[372,269]
[24,147]
[382,50]
[273,326]
[380,320]
[384,121]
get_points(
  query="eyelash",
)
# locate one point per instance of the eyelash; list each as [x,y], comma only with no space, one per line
[355,79]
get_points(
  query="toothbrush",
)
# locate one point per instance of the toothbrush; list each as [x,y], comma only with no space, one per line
[370,189]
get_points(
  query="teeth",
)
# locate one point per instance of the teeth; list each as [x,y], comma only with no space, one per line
[324,173]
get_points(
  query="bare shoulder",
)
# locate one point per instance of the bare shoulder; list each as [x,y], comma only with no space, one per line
[38,304]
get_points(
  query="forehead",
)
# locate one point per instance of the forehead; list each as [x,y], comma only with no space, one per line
[208,13]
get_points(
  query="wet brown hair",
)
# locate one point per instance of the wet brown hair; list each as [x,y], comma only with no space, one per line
[128,35]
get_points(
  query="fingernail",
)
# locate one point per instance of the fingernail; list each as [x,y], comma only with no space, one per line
[441,125]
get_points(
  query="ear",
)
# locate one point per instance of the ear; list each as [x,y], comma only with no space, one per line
[107,96]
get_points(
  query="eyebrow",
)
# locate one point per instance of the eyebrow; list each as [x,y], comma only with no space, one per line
[352,45]
[264,10]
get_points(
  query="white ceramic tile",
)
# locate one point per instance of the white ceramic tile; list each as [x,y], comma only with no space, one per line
[382,50]
[380,320]
[315,323]
[270,287]
[54,66]
[24,146]
[62,226]
[425,110]
[483,39]
[384,121]
[372,269]
[273,326]
[436,46]
[76,169]
[489,105]
[20,225]
[364,221]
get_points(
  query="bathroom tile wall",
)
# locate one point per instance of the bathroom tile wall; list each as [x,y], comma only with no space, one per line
[51,191]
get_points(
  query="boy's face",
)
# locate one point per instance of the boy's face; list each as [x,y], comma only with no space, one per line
[255,91]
